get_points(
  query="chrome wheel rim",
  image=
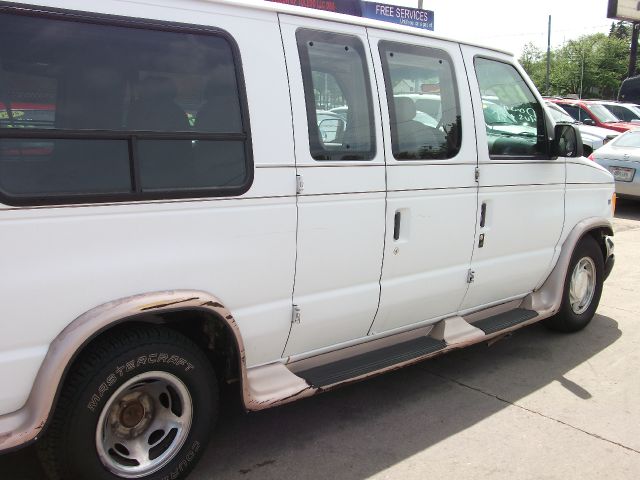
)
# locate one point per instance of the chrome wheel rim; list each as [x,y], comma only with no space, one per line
[582,286]
[144,424]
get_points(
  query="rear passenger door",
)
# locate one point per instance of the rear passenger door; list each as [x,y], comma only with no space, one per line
[521,195]
[432,192]
[341,182]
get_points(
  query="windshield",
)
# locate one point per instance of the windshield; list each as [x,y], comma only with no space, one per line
[558,114]
[628,139]
[602,113]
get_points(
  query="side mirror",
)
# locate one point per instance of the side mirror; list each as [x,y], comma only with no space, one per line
[567,141]
[589,121]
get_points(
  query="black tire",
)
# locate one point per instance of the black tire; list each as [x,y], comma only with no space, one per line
[567,320]
[69,449]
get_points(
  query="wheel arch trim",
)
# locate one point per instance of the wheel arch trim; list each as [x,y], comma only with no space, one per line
[23,426]
[547,299]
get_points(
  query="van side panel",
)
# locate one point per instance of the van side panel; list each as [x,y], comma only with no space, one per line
[66,260]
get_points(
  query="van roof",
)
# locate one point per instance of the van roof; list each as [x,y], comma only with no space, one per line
[343,18]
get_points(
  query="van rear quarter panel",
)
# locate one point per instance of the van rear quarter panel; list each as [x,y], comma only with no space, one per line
[60,262]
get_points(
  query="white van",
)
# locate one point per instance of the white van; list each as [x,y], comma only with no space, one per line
[173,218]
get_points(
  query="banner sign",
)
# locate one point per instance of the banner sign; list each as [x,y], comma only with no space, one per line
[624,10]
[410,17]
[349,7]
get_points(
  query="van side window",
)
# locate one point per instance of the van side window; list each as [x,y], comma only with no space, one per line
[337,93]
[94,112]
[423,102]
[513,117]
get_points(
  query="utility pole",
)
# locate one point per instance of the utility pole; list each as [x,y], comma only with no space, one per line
[581,74]
[549,57]
[634,49]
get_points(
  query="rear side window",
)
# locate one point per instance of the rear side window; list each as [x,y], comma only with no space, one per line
[514,119]
[423,102]
[337,93]
[94,112]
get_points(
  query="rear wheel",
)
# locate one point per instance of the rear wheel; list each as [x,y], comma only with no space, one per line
[582,288]
[139,404]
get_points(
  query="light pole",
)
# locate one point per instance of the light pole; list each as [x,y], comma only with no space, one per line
[581,74]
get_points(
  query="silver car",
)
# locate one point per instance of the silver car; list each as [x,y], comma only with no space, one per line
[621,157]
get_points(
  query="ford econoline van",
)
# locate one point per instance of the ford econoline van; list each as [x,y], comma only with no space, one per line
[184,218]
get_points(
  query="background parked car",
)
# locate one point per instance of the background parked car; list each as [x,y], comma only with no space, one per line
[627,112]
[592,113]
[592,137]
[621,157]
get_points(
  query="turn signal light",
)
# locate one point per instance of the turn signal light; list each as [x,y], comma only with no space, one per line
[613,203]
[590,157]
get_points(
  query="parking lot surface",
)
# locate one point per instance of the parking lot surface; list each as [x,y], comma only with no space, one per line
[538,405]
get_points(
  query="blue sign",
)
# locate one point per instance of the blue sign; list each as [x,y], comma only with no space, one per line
[411,17]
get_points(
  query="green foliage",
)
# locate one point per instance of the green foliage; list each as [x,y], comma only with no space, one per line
[592,66]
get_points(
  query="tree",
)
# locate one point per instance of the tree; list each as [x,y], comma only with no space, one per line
[534,62]
[590,66]
[621,30]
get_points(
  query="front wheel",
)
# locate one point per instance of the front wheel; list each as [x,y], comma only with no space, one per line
[139,403]
[582,288]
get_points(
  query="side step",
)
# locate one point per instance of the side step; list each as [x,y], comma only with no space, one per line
[370,362]
[504,320]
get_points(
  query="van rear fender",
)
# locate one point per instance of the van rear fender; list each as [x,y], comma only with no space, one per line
[169,307]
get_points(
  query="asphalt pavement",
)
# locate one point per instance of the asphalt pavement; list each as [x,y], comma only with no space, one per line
[538,405]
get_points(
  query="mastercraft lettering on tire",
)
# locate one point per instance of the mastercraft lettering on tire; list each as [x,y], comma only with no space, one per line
[395,196]
[131,365]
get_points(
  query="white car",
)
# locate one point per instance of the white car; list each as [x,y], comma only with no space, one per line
[626,112]
[188,219]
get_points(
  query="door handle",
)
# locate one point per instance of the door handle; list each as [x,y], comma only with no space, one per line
[483,214]
[396,226]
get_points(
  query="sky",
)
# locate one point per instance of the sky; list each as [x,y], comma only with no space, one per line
[510,24]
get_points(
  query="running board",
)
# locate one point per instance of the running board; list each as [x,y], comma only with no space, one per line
[370,362]
[505,320]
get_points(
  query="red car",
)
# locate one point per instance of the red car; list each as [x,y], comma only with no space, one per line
[591,112]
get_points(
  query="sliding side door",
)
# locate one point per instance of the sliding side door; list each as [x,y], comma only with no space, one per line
[341,182]
[432,191]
